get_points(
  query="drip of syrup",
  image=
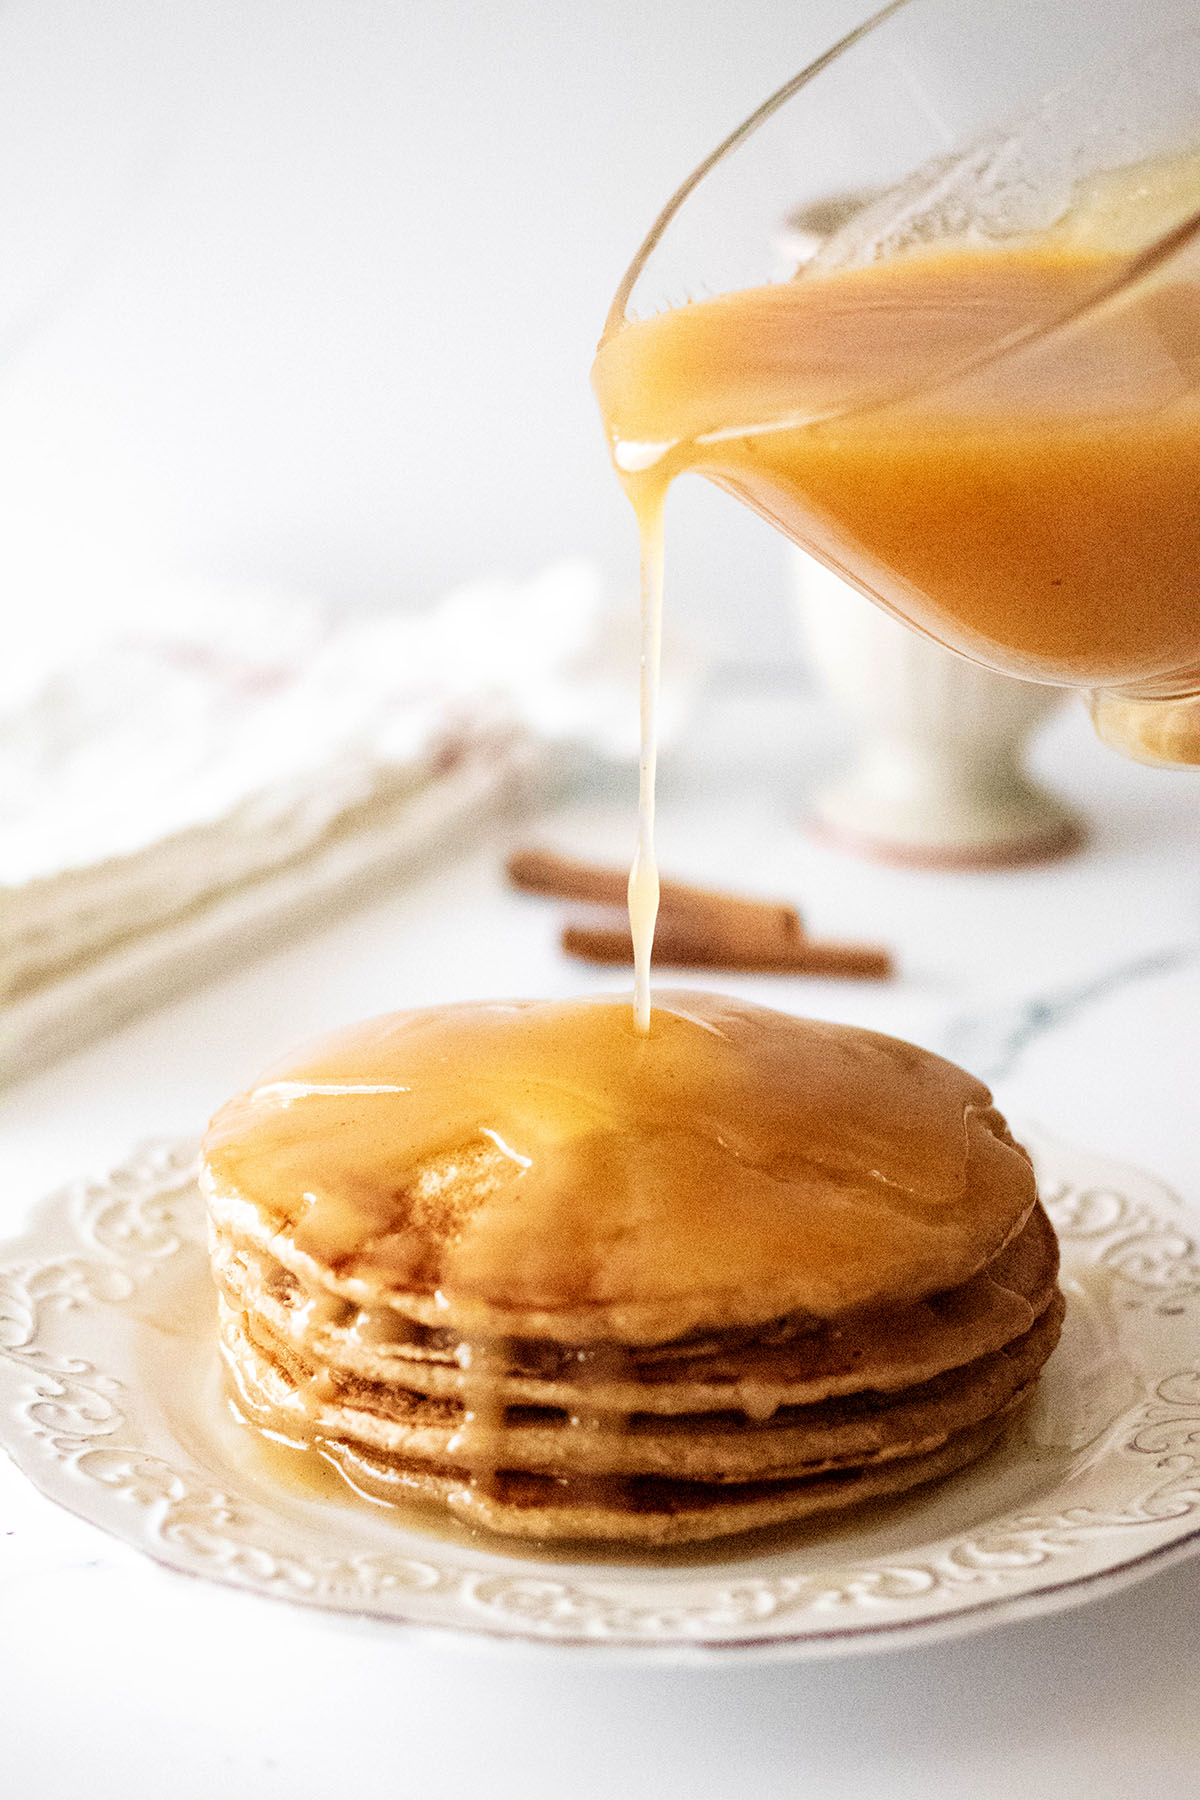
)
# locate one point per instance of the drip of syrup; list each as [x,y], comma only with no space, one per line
[643,876]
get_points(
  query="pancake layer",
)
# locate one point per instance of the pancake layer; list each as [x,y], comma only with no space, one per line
[511,1320]
[536,1169]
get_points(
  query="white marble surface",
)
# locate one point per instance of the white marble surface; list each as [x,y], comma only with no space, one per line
[1077,986]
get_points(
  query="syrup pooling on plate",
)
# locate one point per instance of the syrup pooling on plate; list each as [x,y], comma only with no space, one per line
[514,1166]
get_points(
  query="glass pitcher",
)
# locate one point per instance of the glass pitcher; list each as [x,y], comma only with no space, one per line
[979,401]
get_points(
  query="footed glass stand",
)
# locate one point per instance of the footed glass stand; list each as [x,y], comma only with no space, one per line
[937,779]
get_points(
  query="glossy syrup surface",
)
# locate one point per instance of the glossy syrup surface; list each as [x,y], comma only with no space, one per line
[531,1161]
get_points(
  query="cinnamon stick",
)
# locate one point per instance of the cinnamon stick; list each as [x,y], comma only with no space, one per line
[729,923]
[566,878]
[681,942]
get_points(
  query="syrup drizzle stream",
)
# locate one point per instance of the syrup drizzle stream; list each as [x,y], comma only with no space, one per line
[643,876]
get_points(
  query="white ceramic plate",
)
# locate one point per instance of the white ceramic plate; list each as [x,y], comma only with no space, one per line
[110,1403]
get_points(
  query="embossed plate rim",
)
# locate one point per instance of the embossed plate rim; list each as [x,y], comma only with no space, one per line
[134,1237]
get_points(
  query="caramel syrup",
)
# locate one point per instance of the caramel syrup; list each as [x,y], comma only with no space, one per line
[643,876]
[1038,509]
[541,1168]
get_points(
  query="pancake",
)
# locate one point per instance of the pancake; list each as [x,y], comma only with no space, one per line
[787,1364]
[515,1261]
[284,1392]
[649,1511]
[656,1512]
[537,1169]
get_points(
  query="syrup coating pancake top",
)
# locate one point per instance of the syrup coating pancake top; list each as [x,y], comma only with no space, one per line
[538,1168]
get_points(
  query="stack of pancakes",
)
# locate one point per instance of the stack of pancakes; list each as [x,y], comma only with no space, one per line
[642,1321]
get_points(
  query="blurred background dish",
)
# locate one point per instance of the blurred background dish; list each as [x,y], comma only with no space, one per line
[936,778]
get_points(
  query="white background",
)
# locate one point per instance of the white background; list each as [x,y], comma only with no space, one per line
[308,290]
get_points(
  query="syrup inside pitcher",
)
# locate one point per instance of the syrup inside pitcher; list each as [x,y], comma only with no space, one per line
[996,436]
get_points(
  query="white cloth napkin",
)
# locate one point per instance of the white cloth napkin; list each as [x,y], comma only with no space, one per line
[172,793]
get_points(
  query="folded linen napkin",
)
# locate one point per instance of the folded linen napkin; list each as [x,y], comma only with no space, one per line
[174,793]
